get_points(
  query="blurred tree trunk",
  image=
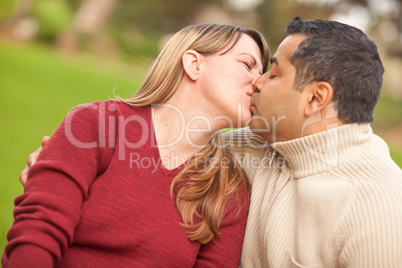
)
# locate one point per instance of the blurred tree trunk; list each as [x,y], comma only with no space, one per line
[275,15]
[93,15]
[20,25]
[22,9]
[88,23]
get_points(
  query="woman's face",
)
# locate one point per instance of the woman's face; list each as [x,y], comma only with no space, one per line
[228,82]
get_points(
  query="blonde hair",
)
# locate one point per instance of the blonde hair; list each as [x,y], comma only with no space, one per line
[202,188]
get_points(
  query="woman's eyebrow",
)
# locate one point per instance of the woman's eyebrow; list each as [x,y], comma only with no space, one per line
[254,60]
[248,54]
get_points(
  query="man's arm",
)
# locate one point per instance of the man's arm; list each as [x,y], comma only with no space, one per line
[371,231]
[31,161]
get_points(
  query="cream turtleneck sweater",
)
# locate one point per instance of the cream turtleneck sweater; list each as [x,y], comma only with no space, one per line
[332,199]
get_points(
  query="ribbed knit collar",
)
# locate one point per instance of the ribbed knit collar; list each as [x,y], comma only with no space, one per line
[321,152]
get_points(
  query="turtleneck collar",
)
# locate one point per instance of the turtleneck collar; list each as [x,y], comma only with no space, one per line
[321,152]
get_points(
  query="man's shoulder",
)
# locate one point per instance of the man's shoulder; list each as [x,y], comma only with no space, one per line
[374,176]
[253,153]
[367,161]
[376,165]
[243,137]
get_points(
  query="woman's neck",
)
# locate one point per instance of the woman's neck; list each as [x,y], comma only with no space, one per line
[182,129]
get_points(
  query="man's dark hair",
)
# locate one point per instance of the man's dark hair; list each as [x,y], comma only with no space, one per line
[343,56]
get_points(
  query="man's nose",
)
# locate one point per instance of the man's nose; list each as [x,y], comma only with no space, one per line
[260,81]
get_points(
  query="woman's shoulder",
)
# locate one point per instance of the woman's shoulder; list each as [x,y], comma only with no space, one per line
[110,108]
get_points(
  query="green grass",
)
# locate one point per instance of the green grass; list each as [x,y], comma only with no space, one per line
[396,154]
[37,89]
[387,112]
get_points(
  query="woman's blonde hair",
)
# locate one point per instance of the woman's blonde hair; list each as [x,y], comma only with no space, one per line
[203,187]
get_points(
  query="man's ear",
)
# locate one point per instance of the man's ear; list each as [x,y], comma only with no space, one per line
[320,95]
[191,63]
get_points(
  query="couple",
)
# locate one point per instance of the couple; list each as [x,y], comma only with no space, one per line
[324,190]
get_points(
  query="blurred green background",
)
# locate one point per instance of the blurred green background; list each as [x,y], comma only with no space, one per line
[56,54]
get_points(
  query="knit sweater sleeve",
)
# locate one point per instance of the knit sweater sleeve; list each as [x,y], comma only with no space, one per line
[46,215]
[370,231]
[225,251]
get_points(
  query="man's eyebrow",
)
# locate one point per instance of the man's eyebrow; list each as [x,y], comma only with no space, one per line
[273,60]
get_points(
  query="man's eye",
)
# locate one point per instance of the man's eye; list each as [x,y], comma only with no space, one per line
[272,76]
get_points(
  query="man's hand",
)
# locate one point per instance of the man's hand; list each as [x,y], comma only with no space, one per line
[31,161]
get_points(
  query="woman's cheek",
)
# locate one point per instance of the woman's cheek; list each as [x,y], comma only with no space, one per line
[245,118]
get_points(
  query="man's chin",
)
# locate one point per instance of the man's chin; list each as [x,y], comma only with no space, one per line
[262,132]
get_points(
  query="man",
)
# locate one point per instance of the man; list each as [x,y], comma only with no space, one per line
[335,200]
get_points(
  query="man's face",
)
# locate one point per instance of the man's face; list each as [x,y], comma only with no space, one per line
[276,107]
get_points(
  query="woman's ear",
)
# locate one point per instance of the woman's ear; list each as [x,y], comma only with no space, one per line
[320,95]
[191,63]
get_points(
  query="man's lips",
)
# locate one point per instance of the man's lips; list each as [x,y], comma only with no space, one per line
[253,98]
[253,109]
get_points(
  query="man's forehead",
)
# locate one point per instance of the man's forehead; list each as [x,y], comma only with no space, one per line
[286,48]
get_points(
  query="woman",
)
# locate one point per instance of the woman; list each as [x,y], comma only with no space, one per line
[145,181]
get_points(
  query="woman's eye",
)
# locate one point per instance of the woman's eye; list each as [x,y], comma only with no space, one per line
[248,65]
[272,76]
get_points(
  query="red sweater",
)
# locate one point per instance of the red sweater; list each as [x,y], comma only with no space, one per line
[98,196]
